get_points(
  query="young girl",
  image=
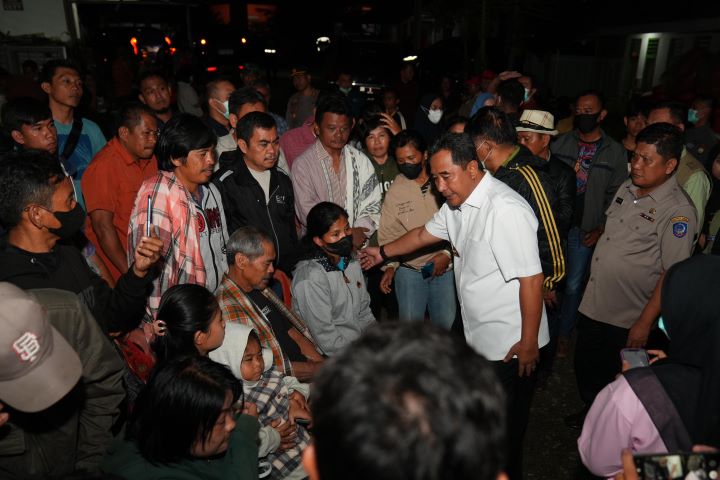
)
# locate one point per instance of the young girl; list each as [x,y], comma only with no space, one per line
[277,400]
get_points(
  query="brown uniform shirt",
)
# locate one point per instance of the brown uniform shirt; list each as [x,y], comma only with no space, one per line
[643,237]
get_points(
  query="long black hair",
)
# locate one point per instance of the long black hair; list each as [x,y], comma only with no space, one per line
[185,309]
[179,406]
[182,134]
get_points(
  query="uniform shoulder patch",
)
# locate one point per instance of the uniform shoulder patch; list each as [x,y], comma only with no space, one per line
[680,229]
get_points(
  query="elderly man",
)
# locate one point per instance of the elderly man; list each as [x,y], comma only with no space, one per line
[333,171]
[112,181]
[244,298]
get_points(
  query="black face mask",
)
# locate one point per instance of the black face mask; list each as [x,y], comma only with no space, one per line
[410,170]
[586,122]
[342,247]
[70,222]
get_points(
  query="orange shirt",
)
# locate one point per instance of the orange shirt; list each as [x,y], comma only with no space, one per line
[111,183]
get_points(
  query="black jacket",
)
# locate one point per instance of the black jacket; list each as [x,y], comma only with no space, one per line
[528,175]
[116,309]
[565,185]
[244,203]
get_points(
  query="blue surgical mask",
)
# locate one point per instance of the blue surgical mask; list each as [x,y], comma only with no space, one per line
[226,104]
[693,116]
[526,97]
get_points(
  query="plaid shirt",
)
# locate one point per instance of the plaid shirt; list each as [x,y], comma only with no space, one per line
[236,306]
[174,215]
[271,396]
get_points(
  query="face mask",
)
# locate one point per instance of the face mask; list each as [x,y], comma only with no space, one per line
[410,170]
[587,122]
[435,115]
[342,247]
[70,222]
[345,90]
[484,160]
[226,107]
[693,116]
[527,95]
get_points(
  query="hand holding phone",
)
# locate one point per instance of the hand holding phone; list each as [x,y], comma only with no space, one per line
[677,465]
[634,357]
[427,270]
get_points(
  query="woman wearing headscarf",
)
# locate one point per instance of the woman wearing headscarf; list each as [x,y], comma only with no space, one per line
[428,116]
[674,403]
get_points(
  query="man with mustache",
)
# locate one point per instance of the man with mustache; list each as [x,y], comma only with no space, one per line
[78,139]
[112,181]
[244,297]
[255,192]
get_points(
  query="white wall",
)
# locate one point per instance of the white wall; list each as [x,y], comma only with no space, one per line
[45,17]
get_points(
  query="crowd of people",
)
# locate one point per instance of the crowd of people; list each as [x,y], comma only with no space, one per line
[355,289]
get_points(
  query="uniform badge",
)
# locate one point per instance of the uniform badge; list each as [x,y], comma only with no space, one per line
[680,229]
[619,200]
[653,211]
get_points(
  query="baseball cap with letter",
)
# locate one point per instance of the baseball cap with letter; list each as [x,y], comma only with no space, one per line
[38,366]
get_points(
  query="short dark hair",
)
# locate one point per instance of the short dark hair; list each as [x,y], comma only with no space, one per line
[371,124]
[409,137]
[678,111]
[50,67]
[667,138]
[320,219]
[180,405]
[512,92]
[243,96]
[180,135]
[26,177]
[185,309]
[152,72]
[455,120]
[460,146]
[130,114]
[591,92]
[491,123]
[637,106]
[408,401]
[331,102]
[254,120]
[211,87]
[23,111]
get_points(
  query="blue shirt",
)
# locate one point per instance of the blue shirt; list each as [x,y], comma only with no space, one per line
[90,142]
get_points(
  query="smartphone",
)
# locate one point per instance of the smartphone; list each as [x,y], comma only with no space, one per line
[427,270]
[635,357]
[148,221]
[677,465]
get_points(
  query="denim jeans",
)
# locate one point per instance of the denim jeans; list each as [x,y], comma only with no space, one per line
[416,294]
[578,259]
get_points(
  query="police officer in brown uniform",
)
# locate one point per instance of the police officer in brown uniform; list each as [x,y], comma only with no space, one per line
[651,225]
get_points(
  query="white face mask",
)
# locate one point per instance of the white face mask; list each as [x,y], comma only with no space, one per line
[435,115]
[345,90]
[226,108]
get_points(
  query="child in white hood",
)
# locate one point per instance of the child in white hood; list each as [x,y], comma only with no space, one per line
[279,400]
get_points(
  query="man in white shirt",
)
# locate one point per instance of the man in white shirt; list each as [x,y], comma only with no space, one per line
[493,233]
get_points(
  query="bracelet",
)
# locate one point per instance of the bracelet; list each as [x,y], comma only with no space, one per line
[383,254]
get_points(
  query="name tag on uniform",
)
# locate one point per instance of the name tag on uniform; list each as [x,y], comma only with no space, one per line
[647,217]
[619,200]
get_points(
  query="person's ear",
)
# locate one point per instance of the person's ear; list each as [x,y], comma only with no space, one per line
[316,129]
[318,241]
[18,137]
[200,338]
[241,260]
[46,87]
[625,121]
[176,161]
[670,166]
[603,114]
[123,133]
[353,124]
[233,120]
[243,146]
[472,169]
[681,126]
[142,99]
[545,140]
[309,463]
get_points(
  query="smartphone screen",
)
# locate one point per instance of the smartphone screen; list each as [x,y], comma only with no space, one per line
[677,465]
[635,357]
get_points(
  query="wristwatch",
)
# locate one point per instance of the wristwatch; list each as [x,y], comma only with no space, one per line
[383,254]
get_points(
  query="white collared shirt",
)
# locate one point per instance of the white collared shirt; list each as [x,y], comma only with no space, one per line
[494,239]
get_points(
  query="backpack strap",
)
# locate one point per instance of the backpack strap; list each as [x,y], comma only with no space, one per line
[660,408]
[71,142]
